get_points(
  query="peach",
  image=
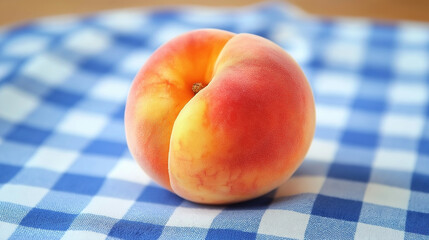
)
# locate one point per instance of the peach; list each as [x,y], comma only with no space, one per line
[218,118]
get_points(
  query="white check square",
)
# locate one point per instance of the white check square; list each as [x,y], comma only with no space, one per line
[16,104]
[284,223]
[408,93]
[133,62]
[413,33]
[368,232]
[352,29]
[109,207]
[5,69]
[347,53]
[331,116]
[193,217]
[169,31]
[26,45]
[395,159]
[123,21]
[345,189]
[74,234]
[299,48]
[82,123]
[20,194]
[129,170]
[387,196]
[7,229]
[53,159]
[58,24]
[88,41]
[299,185]
[336,84]
[292,40]
[402,125]
[411,61]
[49,69]
[322,150]
[111,88]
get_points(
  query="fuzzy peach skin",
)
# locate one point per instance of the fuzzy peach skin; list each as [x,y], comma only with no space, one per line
[241,136]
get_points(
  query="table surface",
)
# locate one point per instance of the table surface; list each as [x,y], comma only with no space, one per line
[23,10]
[65,169]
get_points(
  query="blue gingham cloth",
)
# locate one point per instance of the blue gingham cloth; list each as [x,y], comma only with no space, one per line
[66,173]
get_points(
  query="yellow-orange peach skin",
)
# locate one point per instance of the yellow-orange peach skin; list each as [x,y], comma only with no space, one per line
[241,136]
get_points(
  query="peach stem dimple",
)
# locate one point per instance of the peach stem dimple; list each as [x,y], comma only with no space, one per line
[196,87]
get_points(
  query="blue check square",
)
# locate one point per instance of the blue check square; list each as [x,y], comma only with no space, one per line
[104,147]
[119,114]
[63,98]
[125,229]
[28,134]
[424,147]
[229,234]
[47,219]
[417,222]
[378,63]
[7,172]
[96,66]
[349,172]
[420,182]
[337,208]
[382,35]
[78,184]
[373,105]
[157,194]
[377,72]
[365,139]
[128,40]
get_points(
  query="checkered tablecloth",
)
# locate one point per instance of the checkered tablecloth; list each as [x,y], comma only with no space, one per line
[66,173]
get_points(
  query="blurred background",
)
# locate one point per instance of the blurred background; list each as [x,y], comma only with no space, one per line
[24,10]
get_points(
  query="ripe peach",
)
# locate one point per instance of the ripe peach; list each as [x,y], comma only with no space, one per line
[218,117]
